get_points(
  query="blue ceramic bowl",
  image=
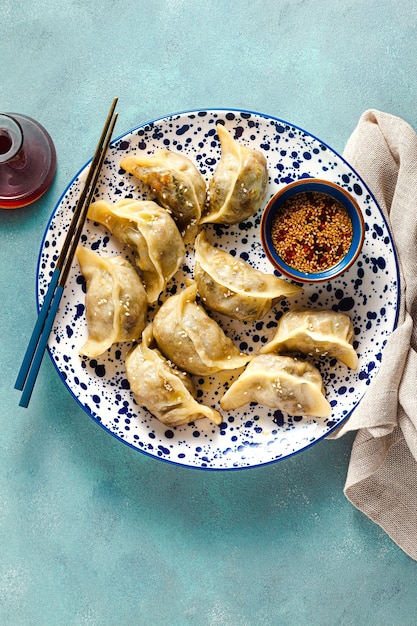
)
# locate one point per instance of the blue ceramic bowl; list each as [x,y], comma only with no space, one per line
[334,265]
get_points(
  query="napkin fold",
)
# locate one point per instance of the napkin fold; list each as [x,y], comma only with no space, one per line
[382,473]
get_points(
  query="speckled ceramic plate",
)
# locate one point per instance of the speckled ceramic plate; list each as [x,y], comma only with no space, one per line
[254,435]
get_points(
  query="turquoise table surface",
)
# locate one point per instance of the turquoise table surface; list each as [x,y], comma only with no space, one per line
[93,533]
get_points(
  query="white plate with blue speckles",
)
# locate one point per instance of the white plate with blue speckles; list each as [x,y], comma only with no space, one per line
[254,435]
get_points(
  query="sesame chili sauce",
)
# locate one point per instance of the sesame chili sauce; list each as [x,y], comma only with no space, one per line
[312,232]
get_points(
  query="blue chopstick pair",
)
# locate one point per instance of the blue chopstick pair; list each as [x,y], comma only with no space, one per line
[29,369]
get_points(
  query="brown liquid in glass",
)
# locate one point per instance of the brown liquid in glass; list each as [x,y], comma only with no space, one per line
[27,172]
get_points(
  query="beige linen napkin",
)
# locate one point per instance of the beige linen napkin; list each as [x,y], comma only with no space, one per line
[382,474]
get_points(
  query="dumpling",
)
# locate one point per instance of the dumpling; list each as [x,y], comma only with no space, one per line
[152,234]
[229,285]
[192,340]
[315,332]
[177,184]
[238,186]
[279,382]
[116,303]
[166,392]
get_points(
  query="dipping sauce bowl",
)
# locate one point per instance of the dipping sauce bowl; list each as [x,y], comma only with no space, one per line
[312,230]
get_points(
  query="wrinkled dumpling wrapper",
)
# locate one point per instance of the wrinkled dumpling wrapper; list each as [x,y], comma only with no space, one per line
[116,303]
[162,389]
[191,339]
[279,382]
[239,183]
[229,285]
[315,332]
[150,232]
[177,184]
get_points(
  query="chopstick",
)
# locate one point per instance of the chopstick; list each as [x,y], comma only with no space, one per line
[29,369]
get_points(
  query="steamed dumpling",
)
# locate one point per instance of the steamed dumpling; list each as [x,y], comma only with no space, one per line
[315,332]
[177,184]
[116,303]
[150,232]
[191,339]
[166,392]
[279,382]
[229,285]
[238,186]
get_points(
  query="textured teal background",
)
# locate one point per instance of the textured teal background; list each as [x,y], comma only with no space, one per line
[93,533]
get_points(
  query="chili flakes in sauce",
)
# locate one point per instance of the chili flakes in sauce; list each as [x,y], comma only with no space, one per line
[312,232]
